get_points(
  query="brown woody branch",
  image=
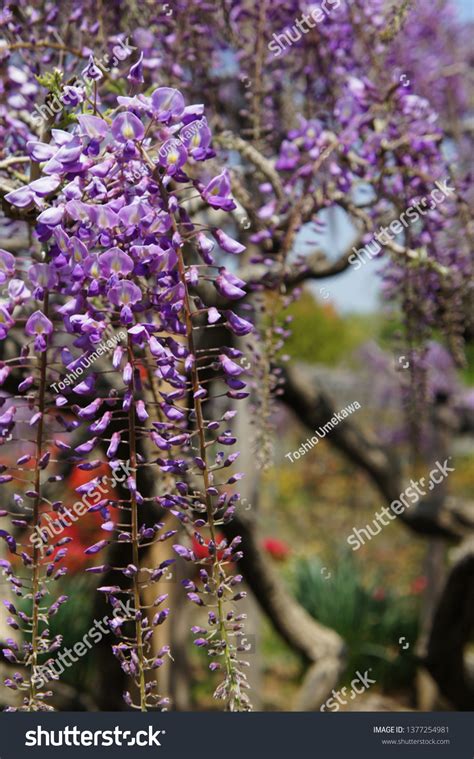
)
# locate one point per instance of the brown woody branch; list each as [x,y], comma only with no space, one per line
[449,517]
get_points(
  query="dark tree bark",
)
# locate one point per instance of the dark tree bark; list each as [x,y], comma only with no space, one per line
[453,624]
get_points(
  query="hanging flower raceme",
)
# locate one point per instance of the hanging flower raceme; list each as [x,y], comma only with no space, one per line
[122,262]
[31,426]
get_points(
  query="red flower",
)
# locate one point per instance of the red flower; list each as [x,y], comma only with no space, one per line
[418,585]
[277,549]
[202,551]
[379,594]
[87,529]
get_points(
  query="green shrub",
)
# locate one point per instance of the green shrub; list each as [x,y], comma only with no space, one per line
[370,618]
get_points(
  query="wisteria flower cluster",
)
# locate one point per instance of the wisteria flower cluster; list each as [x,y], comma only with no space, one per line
[113,252]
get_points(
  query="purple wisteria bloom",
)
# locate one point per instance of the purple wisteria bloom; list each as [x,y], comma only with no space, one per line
[238,325]
[227,243]
[6,322]
[21,198]
[167,104]
[217,192]
[136,71]
[7,265]
[125,293]
[115,261]
[230,367]
[126,126]
[39,326]
[92,71]
[196,137]
[43,276]
[93,126]
[229,286]
[172,155]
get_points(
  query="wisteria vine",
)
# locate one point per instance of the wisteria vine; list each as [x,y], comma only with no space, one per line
[112,256]
[120,219]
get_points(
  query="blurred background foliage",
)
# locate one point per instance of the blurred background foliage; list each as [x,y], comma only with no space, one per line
[321,335]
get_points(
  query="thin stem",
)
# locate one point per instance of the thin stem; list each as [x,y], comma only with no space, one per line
[136,558]
[37,518]
[205,473]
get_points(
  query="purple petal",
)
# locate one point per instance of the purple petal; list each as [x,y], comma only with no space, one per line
[167,103]
[126,126]
[228,243]
[97,547]
[20,198]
